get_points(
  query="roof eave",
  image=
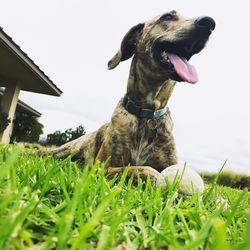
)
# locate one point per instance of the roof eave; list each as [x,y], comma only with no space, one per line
[8,41]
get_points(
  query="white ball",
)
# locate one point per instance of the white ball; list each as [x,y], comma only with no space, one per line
[189,183]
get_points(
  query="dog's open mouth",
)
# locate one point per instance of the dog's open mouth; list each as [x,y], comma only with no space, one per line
[174,59]
[179,65]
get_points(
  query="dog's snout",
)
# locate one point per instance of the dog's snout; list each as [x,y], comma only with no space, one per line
[205,22]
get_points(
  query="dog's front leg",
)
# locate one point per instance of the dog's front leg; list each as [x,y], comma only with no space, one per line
[114,168]
[143,172]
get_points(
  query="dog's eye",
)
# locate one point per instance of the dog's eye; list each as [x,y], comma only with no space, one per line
[167,17]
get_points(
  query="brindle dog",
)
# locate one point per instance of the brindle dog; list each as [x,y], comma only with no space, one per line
[140,131]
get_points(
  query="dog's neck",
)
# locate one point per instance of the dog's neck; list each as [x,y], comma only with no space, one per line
[147,89]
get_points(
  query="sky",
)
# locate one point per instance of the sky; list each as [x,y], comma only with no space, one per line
[72,41]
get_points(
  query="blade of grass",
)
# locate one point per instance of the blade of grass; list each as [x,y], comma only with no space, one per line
[94,220]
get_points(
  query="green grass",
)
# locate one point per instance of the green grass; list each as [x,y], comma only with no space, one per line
[230,179]
[51,204]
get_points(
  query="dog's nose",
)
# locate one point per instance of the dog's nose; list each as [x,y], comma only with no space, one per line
[205,22]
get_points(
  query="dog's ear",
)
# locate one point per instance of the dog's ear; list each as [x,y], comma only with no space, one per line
[128,46]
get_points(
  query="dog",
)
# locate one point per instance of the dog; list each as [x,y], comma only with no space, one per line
[139,134]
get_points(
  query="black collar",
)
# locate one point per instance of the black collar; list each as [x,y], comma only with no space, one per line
[132,108]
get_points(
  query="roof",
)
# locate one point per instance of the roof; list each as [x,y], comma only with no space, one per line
[22,107]
[16,66]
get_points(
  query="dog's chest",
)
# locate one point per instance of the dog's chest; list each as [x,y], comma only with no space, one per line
[146,140]
[139,141]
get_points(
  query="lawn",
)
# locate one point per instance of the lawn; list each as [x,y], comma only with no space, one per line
[50,204]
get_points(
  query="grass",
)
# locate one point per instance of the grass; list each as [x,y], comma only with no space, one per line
[51,204]
[230,179]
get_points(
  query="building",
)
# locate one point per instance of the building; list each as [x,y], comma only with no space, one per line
[18,72]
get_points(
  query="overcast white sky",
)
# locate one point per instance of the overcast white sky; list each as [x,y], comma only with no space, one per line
[73,40]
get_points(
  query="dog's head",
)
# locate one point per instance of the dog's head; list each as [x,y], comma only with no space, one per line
[165,44]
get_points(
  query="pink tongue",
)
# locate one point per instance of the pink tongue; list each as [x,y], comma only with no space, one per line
[186,71]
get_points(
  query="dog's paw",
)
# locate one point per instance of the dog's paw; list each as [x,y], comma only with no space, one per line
[187,180]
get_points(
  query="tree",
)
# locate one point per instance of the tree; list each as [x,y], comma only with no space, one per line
[4,121]
[27,128]
[57,138]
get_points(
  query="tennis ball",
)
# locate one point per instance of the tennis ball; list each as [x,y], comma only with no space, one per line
[189,181]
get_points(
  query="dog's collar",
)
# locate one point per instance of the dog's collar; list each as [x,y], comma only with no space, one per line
[132,108]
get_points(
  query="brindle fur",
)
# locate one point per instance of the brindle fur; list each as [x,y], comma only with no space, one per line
[145,144]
